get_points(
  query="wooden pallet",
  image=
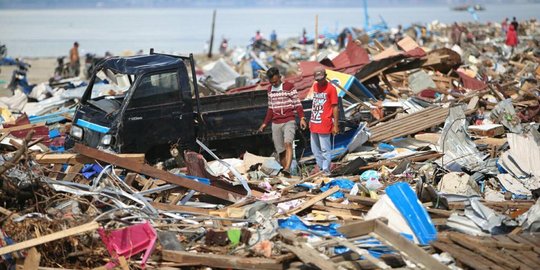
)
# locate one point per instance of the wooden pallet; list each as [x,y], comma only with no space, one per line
[509,251]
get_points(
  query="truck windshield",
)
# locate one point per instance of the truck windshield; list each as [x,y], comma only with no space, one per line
[111,85]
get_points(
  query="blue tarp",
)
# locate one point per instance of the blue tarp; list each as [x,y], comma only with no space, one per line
[296,224]
[410,208]
[342,183]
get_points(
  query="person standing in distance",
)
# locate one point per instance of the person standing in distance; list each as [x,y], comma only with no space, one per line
[324,120]
[74,60]
[283,102]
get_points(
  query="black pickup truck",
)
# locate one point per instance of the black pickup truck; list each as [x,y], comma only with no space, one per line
[148,104]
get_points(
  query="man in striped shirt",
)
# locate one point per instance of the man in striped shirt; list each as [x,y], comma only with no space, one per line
[283,102]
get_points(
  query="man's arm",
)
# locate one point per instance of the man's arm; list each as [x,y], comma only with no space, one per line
[335,113]
[266,120]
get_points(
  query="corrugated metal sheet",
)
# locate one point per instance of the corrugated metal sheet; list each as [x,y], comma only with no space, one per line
[410,124]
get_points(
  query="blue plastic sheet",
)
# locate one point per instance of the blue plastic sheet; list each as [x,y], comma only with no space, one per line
[296,224]
[53,133]
[57,149]
[90,170]
[201,180]
[342,183]
[384,147]
[414,213]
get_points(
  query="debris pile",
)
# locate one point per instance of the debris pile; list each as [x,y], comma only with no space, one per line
[437,167]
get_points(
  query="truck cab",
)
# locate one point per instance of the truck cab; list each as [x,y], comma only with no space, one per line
[140,104]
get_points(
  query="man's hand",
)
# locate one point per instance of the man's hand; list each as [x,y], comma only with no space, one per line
[303,124]
[335,129]
[261,128]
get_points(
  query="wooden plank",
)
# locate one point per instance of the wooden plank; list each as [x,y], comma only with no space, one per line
[361,199]
[491,254]
[313,200]
[344,214]
[32,260]
[80,159]
[466,257]
[349,206]
[157,173]
[55,170]
[72,171]
[129,178]
[50,237]
[219,261]
[520,258]
[357,228]
[21,127]
[528,240]
[481,130]
[504,245]
[15,143]
[309,255]
[491,141]
[406,247]
[408,44]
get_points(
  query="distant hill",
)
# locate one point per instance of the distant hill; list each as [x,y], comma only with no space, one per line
[236,3]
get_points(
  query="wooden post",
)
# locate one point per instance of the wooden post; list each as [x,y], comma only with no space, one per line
[316,40]
[212,35]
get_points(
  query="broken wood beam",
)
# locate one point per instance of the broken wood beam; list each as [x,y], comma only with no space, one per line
[392,238]
[21,127]
[219,261]
[32,260]
[309,255]
[313,201]
[156,173]
[73,159]
[49,237]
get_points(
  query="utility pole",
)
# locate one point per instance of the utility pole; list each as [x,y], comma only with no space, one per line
[316,40]
[212,35]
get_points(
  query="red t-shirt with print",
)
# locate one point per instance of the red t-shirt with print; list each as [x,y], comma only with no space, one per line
[324,98]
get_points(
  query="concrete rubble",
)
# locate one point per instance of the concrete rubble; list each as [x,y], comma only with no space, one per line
[441,170]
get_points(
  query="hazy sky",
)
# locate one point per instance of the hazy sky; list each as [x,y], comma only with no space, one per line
[238,3]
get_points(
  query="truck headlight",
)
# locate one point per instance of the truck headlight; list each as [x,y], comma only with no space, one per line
[106,140]
[76,132]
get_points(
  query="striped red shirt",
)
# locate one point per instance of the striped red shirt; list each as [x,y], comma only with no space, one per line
[282,104]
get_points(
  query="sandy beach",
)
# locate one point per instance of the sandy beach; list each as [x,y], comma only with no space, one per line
[42,69]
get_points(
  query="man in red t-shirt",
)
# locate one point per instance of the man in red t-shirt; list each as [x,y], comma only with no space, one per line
[324,119]
[283,103]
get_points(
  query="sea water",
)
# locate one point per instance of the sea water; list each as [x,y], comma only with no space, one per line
[51,32]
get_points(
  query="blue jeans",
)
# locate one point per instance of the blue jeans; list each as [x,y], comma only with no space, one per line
[321,146]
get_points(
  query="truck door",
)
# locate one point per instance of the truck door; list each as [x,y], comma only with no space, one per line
[156,115]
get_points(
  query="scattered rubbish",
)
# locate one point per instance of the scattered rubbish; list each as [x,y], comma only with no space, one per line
[435,166]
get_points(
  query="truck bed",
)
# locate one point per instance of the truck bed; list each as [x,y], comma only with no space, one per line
[235,115]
